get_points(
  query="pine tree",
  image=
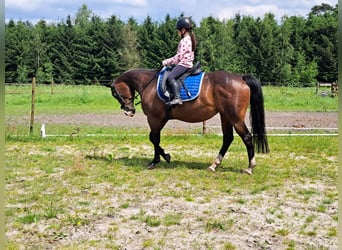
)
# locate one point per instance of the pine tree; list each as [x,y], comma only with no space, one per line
[112,41]
[270,50]
[87,48]
[129,55]
[62,54]
[146,44]
[321,41]
[18,50]
[247,41]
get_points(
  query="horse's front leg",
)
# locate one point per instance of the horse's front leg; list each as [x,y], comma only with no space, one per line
[158,151]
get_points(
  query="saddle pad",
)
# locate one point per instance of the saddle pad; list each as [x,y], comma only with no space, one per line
[193,83]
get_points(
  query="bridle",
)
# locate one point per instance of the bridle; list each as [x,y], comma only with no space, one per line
[120,97]
[132,99]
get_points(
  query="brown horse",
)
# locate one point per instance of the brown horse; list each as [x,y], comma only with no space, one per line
[221,92]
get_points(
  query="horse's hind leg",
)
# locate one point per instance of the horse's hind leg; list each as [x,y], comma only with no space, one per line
[246,137]
[228,138]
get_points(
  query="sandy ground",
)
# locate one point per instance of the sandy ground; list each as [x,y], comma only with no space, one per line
[287,120]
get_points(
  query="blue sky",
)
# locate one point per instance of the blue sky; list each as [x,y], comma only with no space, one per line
[57,10]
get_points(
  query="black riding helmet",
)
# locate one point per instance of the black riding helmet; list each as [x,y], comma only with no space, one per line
[184,23]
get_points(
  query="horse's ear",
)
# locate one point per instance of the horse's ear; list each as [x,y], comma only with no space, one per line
[107,84]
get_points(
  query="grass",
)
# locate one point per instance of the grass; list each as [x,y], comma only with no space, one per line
[65,184]
[65,99]
[86,99]
[217,225]
[97,193]
[297,99]
[171,219]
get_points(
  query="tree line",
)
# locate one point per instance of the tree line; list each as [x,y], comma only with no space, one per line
[86,49]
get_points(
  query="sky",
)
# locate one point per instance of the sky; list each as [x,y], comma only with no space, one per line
[57,10]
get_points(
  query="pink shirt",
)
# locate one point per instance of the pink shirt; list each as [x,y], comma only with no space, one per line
[184,56]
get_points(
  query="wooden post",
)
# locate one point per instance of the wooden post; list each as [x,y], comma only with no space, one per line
[317,87]
[204,127]
[52,86]
[32,104]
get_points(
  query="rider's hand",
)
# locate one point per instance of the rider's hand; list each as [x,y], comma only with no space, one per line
[165,62]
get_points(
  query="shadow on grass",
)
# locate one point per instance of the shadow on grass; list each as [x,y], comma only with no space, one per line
[142,163]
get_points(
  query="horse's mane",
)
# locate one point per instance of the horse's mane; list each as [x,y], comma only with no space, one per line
[139,69]
[131,75]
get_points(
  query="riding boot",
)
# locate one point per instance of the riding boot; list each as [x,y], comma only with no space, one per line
[175,91]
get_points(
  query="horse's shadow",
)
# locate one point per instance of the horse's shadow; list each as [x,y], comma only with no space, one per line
[139,162]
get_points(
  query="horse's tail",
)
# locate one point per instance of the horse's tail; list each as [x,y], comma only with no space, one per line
[257,114]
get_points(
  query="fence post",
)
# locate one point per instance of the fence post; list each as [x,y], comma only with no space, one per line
[204,127]
[52,86]
[32,104]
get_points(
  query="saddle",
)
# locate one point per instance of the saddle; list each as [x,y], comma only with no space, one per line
[194,71]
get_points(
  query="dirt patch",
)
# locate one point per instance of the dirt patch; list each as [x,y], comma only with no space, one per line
[273,120]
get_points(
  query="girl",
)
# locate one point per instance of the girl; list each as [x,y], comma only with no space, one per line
[183,59]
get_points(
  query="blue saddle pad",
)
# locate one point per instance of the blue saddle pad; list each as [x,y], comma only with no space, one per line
[193,83]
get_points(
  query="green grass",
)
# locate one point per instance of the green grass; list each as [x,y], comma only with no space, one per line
[57,186]
[63,183]
[65,99]
[217,225]
[297,99]
[84,99]
[172,219]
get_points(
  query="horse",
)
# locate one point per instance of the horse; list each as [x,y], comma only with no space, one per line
[221,92]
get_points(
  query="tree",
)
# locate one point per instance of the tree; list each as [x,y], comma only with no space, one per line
[247,41]
[304,73]
[321,42]
[166,40]
[18,49]
[270,49]
[146,38]
[97,52]
[112,42]
[286,53]
[129,54]
[62,54]
[321,9]
[40,47]
[87,48]
[11,53]
[82,46]
[215,44]
[22,74]
[83,16]
[44,73]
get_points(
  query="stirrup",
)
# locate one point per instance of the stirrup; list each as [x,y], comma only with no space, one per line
[176,101]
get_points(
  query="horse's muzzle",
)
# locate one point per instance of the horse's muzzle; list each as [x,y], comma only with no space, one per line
[129,111]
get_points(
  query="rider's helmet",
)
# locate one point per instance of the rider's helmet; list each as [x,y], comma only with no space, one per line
[185,23]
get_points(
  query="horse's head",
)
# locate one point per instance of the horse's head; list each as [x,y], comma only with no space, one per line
[125,96]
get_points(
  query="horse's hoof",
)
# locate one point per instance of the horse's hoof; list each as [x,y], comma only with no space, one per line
[247,171]
[167,158]
[211,169]
[151,166]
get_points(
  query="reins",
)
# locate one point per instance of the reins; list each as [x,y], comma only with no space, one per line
[146,85]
